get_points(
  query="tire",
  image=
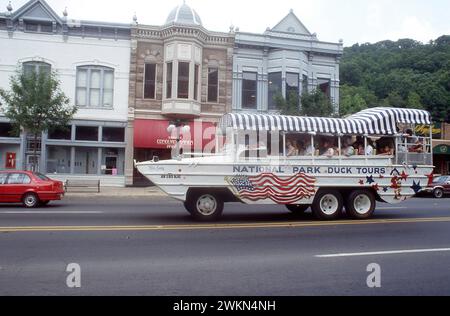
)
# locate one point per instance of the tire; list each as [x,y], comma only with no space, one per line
[327,205]
[360,204]
[30,200]
[204,207]
[438,193]
[298,209]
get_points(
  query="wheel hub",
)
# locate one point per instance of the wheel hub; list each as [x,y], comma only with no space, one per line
[362,204]
[206,205]
[329,204]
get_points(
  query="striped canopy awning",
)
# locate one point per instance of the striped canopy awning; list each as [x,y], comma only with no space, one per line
[375,121]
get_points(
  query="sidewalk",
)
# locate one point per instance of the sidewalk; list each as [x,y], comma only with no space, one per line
[119,192]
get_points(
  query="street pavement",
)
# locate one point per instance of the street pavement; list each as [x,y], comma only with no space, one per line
[135,245]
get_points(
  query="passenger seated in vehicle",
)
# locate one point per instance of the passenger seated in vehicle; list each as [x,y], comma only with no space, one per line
[414,144]
[309,148]
[386,151]
[291,149]
[347,148]
[327,149]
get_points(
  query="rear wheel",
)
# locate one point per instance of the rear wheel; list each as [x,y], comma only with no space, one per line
[438,193]
[30,200]
[360,204]
[204,207]
[327,205]
[298,209]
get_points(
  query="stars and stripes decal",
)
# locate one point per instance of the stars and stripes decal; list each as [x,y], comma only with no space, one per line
[375,121]
[281,190]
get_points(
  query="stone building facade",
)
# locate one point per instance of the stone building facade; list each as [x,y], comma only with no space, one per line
[180,72]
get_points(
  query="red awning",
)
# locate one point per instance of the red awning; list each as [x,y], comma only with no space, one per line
[153,134]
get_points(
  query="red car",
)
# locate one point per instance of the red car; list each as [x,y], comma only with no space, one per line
[29,188]
[439,187]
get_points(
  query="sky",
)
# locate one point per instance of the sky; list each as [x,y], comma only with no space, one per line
[354,21]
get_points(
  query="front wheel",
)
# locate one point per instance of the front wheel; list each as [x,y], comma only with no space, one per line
[30,200]
[205,207]
[438,193]
[360,204]
[297,209]
[328,205]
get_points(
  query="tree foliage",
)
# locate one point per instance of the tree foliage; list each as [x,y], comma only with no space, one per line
[35,103]
[405,73]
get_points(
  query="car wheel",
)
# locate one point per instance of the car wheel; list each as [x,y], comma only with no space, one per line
[298,209]
[438,193]
[30,200]
[360,204]
[328,205]
[205,207]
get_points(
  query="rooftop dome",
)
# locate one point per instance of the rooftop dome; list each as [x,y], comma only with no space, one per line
[185,15]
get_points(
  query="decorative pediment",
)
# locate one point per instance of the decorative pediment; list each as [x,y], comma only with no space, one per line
[37,10]
[291,24]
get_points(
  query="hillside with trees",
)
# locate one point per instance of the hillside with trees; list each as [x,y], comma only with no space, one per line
[405,73]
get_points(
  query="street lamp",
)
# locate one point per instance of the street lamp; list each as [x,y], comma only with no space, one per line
[180,127]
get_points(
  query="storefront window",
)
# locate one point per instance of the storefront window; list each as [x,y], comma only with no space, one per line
[6,130]
[86,160]
[275,88]
[113,134]
[61,133]
[58,159]
[113,161]
[86,133]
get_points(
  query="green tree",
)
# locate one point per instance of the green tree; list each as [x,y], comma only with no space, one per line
[289,106]
[316,104]
[414,101]
[36,103]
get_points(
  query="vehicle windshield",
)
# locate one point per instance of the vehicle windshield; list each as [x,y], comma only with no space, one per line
[441,179]
[41,176]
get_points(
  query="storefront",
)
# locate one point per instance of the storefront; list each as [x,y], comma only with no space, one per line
[151,139]
[441,154]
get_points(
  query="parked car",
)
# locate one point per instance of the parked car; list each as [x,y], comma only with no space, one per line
[29,188]
[439,187]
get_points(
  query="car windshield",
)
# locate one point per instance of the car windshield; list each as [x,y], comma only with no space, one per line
[41,176]
[441,179]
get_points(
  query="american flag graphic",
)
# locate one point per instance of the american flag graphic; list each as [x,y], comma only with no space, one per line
[281,190]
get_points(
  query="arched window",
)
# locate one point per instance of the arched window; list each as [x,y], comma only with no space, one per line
[95,86]
[37,67]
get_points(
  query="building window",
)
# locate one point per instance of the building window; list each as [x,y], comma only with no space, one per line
[213,84]
[249,90]
[113,134]
[58,159]
[86,133]
[40,27]
[61,133]
[196,75]
[275,88]
[183,80]
[7,130]
[304,83]
[169,80]
[36,67]
[149,81]
[95,86]
[324,86]
[292,85]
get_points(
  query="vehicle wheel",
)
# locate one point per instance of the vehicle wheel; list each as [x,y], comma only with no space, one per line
[297,209]
[205,207]
[30,200]
[328,205]
[360,204]
[438,193]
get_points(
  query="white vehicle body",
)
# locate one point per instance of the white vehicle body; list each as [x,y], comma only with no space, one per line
[252,176]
